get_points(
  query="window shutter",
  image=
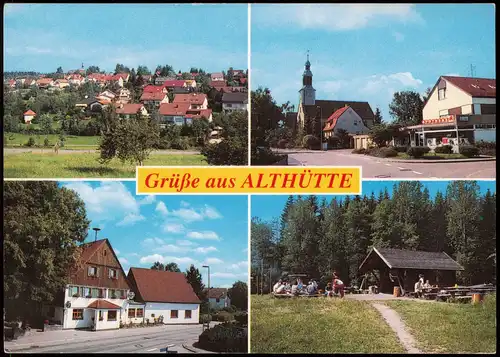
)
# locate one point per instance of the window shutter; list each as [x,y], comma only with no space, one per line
[116,274]
[109,273]
[97,272]
[90,271]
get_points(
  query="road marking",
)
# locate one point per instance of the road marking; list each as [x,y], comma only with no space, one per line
[401,168]
[387,164]
[418,173]
[378,162]
[153,349]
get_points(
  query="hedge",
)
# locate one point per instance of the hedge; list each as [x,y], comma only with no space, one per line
[417,151]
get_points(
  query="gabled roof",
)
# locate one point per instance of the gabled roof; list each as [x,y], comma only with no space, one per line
[235,97]
[332,120]
[103,304]
[161,286]
[218,84]
[412,259]
[152,88]
[199,113]
[475,87]
[153,96]
[328,107]
[88,249]
[217,75]
[191,98]
[217,293]
[174,108]
[132,108]
[174,83]
[29,112]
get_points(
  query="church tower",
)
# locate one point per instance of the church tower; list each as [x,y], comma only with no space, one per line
[307,92]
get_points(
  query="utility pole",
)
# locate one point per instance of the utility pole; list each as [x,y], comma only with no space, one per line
[472,69]
[262,277]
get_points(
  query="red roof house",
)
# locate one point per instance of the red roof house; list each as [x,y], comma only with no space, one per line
[347,119]
[131,109]
[194,99]
[174,109]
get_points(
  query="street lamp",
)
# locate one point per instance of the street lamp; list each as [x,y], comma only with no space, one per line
[96,230]
[208,296]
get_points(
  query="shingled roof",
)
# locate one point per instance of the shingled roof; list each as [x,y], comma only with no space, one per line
[161,286]
[328,107]
[411,259]
[217,293]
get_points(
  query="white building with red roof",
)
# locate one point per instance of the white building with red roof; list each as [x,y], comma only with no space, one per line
[154,99]
[346,119]
[181,114]
[29,115]
[195,100]
[127,111]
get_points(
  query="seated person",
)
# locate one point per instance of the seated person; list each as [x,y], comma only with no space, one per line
[277,285]
[329,290]
[427,285]
[300,285]
[311,288]
[280,289]
[418,289]
[295,289]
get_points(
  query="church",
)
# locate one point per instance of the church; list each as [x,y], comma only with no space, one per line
[328,116]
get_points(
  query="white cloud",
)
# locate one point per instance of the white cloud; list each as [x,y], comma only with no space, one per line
[228,275]
[185,242]
[226,286]
[335,17]
[109,201]
[406,78]
[203,235]
[187,213]
[123,260]
[240,265]
[130,219]
[176,228]
[152,258]
[149,199]
[151,242]
[170,248]
[162,208]
[213,261]
[205,250]
[117,252]
[133,255]
[398,36]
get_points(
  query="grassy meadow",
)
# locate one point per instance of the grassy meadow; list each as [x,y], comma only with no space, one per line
[318,325]
[19,140]
[451,327]
[78,165]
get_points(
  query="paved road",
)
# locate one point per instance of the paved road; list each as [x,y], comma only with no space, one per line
[373,167]
[136,340]
[85,151]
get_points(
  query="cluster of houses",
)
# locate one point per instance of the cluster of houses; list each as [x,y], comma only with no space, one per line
[457,111]
[100,296]
[187,105]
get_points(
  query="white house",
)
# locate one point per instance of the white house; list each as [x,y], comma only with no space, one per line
[347,119]
[235,101]
[469,102]
[218,298]
[165,294]
[28,116]
[96,297]
[128,110]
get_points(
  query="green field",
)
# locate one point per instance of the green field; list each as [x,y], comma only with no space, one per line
[77,165]
[318,325]
[17,140]
[449,327]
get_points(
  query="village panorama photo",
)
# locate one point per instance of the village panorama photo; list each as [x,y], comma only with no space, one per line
[96,98]
[92,267]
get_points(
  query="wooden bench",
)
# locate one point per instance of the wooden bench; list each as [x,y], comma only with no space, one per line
[430,296]
[464,298]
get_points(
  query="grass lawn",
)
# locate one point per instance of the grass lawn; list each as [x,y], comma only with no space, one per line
[16,139]
[318,325]
[432,156]
[449,327]
[84,165]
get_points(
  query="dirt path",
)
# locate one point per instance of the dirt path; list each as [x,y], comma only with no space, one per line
[396,323]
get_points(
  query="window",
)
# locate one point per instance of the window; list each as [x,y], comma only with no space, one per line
[174,314]
[131,313]
[355,123]
[111,315]
[139,312]
[86,292]
[77,314]
[92,271]
[100,315]
[187,314]
[442,94]
[73,291]
[104,252]
[113,274]
[217,300]
[113,294]
[229,105]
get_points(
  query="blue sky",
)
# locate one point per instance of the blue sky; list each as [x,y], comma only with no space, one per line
[366,52]
[270,207]
[187,230]
[43,37]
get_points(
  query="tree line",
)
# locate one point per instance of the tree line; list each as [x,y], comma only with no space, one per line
[316,238]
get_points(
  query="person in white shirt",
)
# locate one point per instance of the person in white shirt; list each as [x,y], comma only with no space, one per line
[276,286]
[418,288]
[338,286]
[280,289]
